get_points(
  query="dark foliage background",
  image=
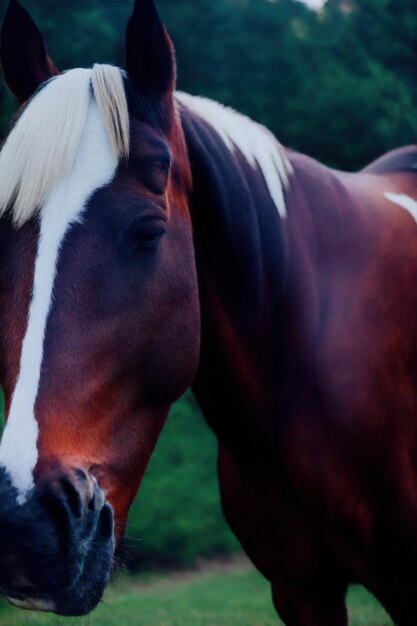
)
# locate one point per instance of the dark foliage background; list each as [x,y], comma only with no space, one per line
[339,84]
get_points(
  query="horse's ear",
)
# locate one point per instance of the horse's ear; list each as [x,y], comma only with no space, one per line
[24,58]
[150,58]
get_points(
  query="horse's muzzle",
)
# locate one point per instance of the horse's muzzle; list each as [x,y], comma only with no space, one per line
[56,549]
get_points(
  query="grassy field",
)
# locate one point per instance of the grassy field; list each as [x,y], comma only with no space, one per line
[218,595]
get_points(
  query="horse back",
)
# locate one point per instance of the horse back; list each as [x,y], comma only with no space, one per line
[400,160]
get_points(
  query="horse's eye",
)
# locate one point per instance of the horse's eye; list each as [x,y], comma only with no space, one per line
[147,238]
[142,237]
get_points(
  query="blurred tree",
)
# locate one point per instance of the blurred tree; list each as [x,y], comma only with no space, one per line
[361,88]
[339,84]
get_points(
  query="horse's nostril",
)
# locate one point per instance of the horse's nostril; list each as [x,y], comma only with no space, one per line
[80,474]
[73,498]
[73,495]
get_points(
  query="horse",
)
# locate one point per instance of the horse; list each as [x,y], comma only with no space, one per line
[151,240]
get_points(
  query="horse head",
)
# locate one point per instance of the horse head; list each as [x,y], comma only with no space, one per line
[99,310]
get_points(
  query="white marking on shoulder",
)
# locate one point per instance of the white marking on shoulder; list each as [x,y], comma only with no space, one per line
[94,167]
[257,144]
[405,202]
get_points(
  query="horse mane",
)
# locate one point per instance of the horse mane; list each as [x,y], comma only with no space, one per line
[257,144]
[42,147]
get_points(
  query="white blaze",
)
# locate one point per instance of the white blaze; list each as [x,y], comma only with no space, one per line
[95,166]
[405,202]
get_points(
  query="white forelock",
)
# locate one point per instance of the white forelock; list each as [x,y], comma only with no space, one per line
[42,147]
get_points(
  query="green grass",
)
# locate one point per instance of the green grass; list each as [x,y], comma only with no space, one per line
[235,596]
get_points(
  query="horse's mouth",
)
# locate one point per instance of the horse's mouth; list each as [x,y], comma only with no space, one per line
[32,604]
[57,548]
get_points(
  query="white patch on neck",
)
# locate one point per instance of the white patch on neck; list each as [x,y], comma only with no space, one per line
[405,202]
[94,167]
[257,144]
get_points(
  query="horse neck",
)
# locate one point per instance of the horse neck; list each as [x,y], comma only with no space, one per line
[241,264]
[264,279]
